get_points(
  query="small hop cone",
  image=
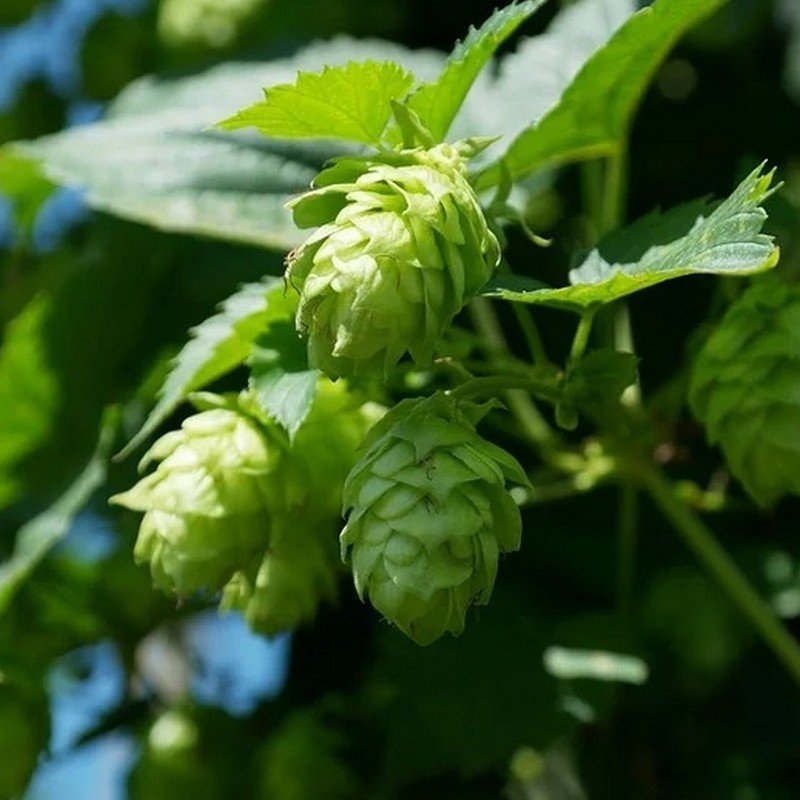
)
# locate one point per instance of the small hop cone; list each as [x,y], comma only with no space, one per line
[744,388]
[429,515]
[403,246]
[206,502]
[284,590]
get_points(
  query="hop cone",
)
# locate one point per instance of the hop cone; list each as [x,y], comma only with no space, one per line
[283,590]
[745,388]
[429,514]
[206,503]
[403,246]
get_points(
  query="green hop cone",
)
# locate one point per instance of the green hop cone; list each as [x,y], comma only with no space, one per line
[744,388]
[429,515]
[403,245]
[206,502]
[284,589]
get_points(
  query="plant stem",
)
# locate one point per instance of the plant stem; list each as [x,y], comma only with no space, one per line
[530,331]
[582,334]
[520,404]
[612,212]
[721,566]
[496,384]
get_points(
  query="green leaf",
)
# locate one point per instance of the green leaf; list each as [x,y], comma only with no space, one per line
[39,536]
[22,181]
[600,376]
[437,103]
[528,82]
[724,241]
[154,160]
[29,391]
[594,114]
[283,384]
[218,345]
[350,102]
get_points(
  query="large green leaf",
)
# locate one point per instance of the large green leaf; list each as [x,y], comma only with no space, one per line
[688,240]
[219,344]
[437,103]
[350,102]
[529,81]
[594,113]
[155,161]
[39,536]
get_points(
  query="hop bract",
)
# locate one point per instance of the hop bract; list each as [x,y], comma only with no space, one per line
[429,514]
[206,502]
[745,389]
[284,589]
[403,245]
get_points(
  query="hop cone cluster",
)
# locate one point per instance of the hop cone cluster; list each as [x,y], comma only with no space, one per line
[205,505]
[233,505]
[403,245]
[429,515]
[744,389]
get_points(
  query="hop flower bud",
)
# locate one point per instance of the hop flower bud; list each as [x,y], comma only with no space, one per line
[205,504]
[430,513]
[403,246]
[285,588]
[744,389]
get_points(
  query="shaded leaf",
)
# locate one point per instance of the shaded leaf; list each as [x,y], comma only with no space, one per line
[350,102]
[22,181]
[29,391]
[155,161]
[219,344]
[724,241]
[38,537]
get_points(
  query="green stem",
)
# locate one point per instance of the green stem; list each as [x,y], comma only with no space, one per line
[530,331]
[721,566]
[498,384]
[582,334]
[612,212]
[520,404]
[628,537]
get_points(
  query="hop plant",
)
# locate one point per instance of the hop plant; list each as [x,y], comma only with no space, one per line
[429,515]
[206,502]
[744,389]
[284,589]
[403,245]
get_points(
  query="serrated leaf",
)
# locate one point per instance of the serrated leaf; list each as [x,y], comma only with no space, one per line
[29,392]
[284,386]
[216,346]
[39,536]
[437,103]
[528,82]
[594,114]
[154,160]
[350,102]
[724,241]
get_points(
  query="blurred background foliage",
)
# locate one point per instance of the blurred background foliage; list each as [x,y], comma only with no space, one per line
[107,690]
